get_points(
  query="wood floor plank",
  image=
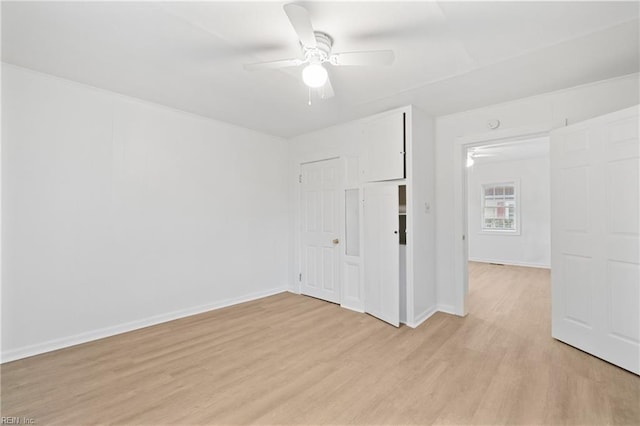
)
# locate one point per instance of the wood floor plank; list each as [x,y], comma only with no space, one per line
[290,359]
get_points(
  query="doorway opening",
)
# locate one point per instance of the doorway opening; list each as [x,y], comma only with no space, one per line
[507,220]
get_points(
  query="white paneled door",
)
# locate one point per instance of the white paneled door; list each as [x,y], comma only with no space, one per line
[595,224]
[382,253]
[320,234]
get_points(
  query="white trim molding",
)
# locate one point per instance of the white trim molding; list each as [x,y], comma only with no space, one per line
[65,342]
[447,309]
[511,263]
[461,143]
[422,317]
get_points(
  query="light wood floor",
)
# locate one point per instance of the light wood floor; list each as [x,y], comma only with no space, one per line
[291,359]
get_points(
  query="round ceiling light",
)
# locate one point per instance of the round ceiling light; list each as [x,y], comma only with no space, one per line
[314,75]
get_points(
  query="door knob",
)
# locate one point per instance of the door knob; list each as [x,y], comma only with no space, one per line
[336,241]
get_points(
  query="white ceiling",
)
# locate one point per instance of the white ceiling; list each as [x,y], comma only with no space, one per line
[450,56]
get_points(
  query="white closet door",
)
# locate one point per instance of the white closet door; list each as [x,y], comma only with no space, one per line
[321,214]
[381,253]
[384,148]
[595,259]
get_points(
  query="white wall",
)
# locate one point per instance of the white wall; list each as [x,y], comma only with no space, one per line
[532,245]
[575,104]
[119,213]
[421,219]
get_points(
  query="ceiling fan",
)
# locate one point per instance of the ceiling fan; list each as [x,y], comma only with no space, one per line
[479,152]
[316,49]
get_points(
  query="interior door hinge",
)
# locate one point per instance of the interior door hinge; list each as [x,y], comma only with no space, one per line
[300,178]
[300,277]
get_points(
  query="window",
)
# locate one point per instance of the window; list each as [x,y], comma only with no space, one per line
[500,207]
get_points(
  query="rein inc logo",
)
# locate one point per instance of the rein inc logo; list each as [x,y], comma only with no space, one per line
[17,420]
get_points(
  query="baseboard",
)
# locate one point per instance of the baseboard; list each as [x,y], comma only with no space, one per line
[447,309]
[65,342]
[353,308]
[422,317]
[511,263]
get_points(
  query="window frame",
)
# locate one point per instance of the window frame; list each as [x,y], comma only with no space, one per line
[517,218]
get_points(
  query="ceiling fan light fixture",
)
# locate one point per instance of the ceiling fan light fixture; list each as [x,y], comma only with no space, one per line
[470,160]
[316,49]
[314,75]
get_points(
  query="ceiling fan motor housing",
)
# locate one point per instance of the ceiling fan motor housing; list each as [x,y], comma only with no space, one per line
[322,51]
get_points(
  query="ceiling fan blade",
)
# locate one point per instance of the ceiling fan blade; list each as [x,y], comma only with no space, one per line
[371,57]
[299,17]
[326,91]
[283,63]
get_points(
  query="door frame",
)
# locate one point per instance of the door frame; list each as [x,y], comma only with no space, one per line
[460,213]
[298,222]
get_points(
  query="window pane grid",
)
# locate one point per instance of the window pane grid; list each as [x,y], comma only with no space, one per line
[499,207]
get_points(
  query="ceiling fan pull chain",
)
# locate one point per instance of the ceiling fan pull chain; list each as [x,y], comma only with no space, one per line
[309,95]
